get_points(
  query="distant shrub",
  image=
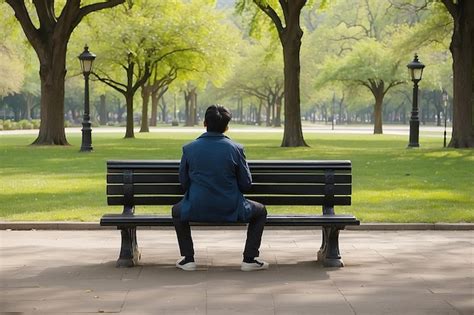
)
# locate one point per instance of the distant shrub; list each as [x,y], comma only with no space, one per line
[7,125]
[25,124]
[36,123]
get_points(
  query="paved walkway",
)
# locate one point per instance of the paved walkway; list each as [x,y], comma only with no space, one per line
[406,272]
[388,129]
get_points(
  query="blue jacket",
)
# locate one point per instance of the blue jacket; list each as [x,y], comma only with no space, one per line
[214,173]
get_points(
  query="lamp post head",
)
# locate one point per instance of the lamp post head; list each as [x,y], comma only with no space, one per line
[415,69]
[87,59]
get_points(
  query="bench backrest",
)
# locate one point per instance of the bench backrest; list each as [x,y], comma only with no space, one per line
[148,182]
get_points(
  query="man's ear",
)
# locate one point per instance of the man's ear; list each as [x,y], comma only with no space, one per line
[226,128]
[205,124]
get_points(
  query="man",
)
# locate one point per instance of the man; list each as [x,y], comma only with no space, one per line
[214,173]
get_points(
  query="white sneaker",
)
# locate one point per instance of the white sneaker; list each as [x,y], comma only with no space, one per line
[190,266]
[254,266]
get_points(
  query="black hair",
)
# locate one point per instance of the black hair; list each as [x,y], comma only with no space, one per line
[217,118]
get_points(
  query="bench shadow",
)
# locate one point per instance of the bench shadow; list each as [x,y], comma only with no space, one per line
[151,275]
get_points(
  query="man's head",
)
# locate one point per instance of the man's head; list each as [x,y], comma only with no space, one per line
[217,118]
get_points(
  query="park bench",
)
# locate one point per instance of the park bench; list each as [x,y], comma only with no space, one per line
[322,183]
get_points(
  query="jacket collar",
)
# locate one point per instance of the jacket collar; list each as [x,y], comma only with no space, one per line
[212,134]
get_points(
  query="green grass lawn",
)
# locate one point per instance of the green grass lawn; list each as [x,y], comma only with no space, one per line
[391,183]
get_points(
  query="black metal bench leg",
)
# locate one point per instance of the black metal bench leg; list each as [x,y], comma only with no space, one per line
[323,248]
[329,252]
[129,252]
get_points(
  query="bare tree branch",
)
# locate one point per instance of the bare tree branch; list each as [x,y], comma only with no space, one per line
[392,84]
[96,7]
[112,83]
[268,10]
[452,8]
[45,12]
[284,8]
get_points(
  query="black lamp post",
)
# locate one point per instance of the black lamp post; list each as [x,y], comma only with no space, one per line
[445,102]
[415,69]
[86,59]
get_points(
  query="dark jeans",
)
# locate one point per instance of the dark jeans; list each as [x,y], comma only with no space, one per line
[254,230]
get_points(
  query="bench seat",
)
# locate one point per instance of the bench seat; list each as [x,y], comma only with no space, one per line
[121,220]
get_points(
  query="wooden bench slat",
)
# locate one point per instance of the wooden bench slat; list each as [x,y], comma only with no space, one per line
[273,220]
[117,178]
[267,189]
[299,178]
[262,165]
[266,200]
[266,163]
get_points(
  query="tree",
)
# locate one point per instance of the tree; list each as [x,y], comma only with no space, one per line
[217,41]
[372,65]
[155,88]
[49,37]
[462,50]
[161,43]
[290,33]
[150,34]
[357,43]
[452,19]
[263,81]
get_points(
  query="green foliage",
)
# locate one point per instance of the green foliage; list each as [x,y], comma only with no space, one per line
[199,47]
[358,43]
[25,124]
[12,69]
[391,31]
[9,125]
[260,79]
[22,124]
[369,59]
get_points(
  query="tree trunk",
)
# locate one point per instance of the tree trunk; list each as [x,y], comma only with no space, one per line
[102,111]
[194,103]
[129,133]
[74,115]
[341,102]
[52,75]
[291,42]
[462,49]
[190,98]
[145,101]
[277,122]
[268,114]
[29,105]
[259,113]
[120,111]
[272,120]
[188,110]
[241,110]
[164,109]
[378,113]
[154,108]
